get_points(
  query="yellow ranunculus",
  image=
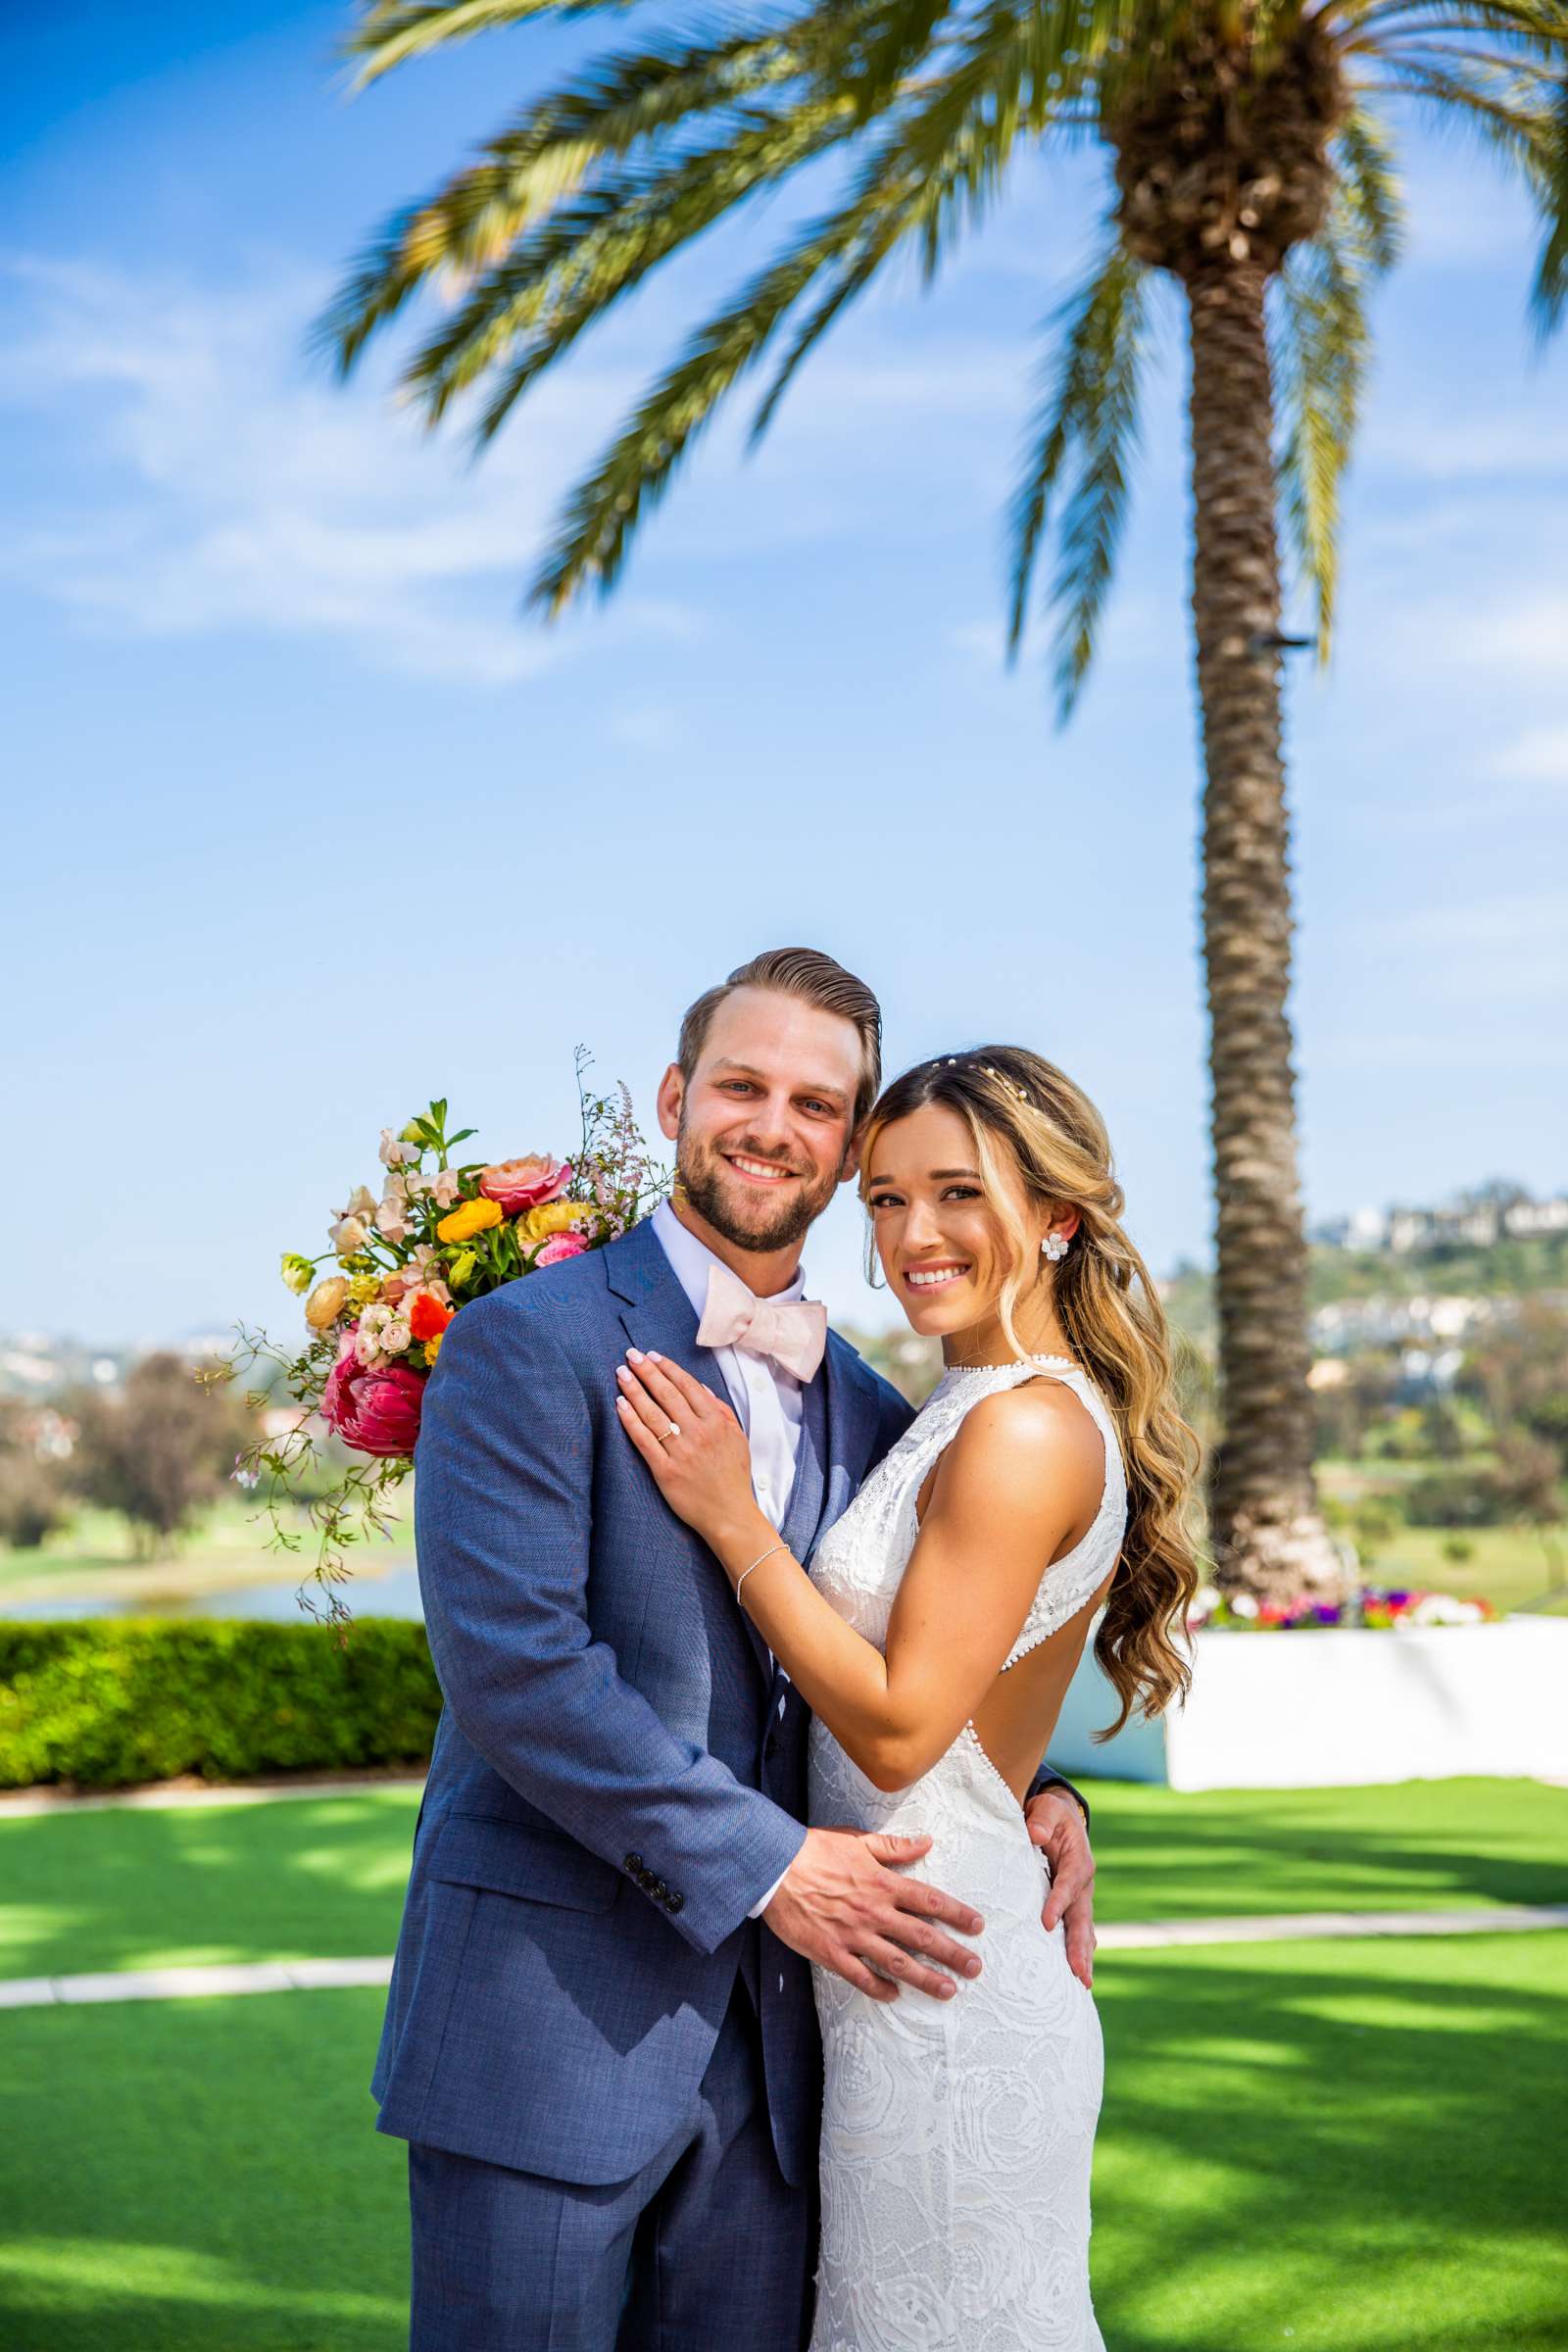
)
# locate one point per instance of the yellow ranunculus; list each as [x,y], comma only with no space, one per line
[297,1271]
[471,1217]
[326,1302]
[432,1345]
[553,1216]
[363,1289]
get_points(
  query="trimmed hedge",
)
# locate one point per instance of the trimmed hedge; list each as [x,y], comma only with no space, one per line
[103,1702]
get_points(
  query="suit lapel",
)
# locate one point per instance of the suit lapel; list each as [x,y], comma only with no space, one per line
[848,1395]
[656,1313]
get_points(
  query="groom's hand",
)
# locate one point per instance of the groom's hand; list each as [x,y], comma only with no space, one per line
[844,1904]
[1057,1827]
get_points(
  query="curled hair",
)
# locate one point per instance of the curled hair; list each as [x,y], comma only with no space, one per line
[1024,1115]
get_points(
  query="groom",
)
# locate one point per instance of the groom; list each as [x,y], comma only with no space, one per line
[599,2043]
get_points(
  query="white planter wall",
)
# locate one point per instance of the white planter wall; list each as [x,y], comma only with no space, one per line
[1341,1708]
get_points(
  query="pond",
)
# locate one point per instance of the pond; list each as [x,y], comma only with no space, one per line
[393,1595]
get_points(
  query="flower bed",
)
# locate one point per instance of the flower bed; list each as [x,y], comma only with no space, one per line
[1378,1609]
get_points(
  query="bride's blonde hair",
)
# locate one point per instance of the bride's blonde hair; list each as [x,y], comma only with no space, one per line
[1022,1110]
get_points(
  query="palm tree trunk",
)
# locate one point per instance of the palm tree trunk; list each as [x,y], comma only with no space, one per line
[1267,1532]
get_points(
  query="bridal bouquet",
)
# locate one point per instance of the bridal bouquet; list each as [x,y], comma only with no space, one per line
[379,1299]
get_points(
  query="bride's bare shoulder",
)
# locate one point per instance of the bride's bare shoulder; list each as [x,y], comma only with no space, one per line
[1033,1447]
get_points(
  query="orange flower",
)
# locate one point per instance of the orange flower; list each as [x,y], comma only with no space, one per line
[474,1216]
[428,1317]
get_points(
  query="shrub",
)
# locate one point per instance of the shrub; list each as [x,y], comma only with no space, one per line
[160,1449]
[103,1703]
[1457,1499]
[32,1500]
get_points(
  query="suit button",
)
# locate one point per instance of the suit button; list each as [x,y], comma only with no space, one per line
[658,1888]
[634,1863]
[674,1902]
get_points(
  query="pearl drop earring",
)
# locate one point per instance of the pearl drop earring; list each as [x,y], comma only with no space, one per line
[1055,1246]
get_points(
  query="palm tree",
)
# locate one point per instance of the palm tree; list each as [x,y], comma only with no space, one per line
[1249,165]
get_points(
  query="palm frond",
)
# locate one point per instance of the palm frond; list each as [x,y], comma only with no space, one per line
[1088,418]
[390,33]
[938,154]
[607,112]
[1551,289]
[1321,347]
[893,41]
[591,253]
[604,510]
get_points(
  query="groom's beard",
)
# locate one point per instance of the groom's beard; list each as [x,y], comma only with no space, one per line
[746,1218]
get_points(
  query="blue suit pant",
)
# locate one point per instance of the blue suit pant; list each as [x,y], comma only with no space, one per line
[707,2249]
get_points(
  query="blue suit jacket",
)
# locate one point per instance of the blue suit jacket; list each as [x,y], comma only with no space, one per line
[618,1772]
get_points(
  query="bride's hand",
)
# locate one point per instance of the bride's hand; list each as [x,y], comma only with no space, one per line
[694,1445]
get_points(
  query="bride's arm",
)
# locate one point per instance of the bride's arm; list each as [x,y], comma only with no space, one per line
[1025,1468]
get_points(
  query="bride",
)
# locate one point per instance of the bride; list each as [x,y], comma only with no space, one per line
[1046,1479]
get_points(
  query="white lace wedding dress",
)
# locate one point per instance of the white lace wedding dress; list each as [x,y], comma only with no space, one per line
[957,2135]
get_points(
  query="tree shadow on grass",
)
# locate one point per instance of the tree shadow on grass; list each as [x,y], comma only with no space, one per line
[199,2177]
[307,1878]
[1417,1846]
[1343,2148]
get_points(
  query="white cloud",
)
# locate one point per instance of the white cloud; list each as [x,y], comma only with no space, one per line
[232,487]
[1539,756]
[1508,948]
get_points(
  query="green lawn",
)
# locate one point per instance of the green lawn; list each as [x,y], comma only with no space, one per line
[1507,1565]
[1352,2149]
[323,1876]
[1345,2148]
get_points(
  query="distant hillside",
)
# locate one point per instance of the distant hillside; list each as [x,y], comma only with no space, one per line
[1513,1268]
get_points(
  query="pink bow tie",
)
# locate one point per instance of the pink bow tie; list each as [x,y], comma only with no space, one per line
[794,1332]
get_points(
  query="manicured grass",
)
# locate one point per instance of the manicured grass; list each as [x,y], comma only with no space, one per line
[1344,2147]
[324,1877]
[1347,2148]
[187,1887]
[199,2177]
[1417,1845]
[1507,1565]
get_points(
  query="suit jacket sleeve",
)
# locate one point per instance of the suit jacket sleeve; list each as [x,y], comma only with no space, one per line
[1045,1779]
[502,1509]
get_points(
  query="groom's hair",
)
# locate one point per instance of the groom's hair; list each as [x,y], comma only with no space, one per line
[807,973]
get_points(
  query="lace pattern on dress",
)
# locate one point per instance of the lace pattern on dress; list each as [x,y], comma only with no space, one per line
[957,2135]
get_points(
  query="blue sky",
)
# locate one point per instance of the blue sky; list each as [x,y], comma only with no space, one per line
[311,825]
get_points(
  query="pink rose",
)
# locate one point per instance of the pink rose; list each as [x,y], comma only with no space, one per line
[519,1184]
[375,1412]
[560,1245]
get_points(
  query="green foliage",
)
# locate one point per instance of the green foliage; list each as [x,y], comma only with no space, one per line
[158,1451]
[1322,347]
[1515,1267]
[629,164]
[104,1703]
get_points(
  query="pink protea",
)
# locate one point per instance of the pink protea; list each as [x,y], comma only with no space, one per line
[560,1245]
[375,1411]
[519,1184]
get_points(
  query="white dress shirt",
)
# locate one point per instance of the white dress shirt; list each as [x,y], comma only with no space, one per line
[766,1399]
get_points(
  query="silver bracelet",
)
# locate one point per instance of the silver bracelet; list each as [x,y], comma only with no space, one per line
[756,1563]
